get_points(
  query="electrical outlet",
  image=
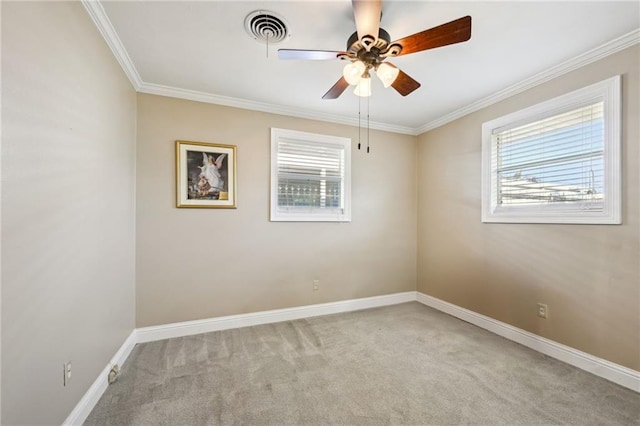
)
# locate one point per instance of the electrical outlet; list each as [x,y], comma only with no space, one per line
[66,373]
[113,374]
[543,311]
[316,285]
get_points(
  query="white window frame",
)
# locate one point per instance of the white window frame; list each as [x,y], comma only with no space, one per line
[609,92]
[309,214]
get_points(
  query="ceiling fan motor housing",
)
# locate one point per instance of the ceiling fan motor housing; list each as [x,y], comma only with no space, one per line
[354,45]
[371,51]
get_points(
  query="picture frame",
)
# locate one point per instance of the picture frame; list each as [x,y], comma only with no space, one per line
[205,175]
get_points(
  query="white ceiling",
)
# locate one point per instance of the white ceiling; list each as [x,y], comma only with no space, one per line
[200,50]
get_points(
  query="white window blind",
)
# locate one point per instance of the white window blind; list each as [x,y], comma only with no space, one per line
[309,177]
[557,161]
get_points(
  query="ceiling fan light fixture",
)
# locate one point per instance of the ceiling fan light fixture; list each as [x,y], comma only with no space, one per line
[387,73]
[353,71]
[364,87]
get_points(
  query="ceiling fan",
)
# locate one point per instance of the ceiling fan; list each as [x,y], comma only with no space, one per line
[370,46]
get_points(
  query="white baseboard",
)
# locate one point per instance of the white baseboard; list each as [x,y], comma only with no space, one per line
[188,328]
[616,373]
[91,397]
[600,367]
[167,331]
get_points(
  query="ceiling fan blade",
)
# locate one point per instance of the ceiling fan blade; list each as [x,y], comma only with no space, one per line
[309,54]
[367,14]
[450,33]
[404,84]
[337,89]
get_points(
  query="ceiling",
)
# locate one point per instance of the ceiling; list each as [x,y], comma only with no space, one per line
[201,50]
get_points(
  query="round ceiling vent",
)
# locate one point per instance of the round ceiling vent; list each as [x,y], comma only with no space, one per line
[266,27]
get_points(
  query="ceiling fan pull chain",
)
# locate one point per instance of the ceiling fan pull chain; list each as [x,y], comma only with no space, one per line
[359,104]
[368,124]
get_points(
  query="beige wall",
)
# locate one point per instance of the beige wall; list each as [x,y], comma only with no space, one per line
[69,236]
[589,275]
[201,263]
[68,147]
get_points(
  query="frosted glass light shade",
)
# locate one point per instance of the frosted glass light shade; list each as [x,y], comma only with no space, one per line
[353,71]
[364,87]
[387,73]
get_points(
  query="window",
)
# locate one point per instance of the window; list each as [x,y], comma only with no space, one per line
[310,177]
[555,162]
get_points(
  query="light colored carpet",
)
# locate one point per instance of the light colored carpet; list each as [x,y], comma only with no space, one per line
[402,364]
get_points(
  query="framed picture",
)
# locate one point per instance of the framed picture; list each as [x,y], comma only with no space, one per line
[205,175]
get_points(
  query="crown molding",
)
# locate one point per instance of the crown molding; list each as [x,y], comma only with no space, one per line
[101,20]
[579,61]
[99,16]
[193,95]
